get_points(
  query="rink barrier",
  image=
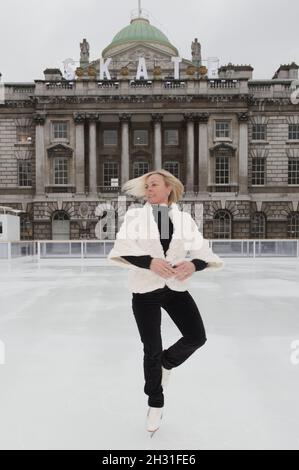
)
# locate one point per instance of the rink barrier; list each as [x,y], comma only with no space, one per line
[86,249]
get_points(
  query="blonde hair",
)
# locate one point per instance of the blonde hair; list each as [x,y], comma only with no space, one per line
[136,186]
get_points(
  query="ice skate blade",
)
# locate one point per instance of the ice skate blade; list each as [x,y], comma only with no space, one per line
[153,432]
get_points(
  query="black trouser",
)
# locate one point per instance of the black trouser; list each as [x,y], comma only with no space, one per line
[183,310]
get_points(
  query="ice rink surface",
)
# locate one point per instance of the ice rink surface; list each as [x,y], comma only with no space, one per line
[71,359]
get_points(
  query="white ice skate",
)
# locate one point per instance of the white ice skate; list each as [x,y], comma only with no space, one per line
[165,377]
[154,417]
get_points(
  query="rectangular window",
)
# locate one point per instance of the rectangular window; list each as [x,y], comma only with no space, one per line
[259,132]
[222,170]
[110,172]
[60,130]
[140,137]
[24,173]
[60,170]
[140,168]
[222,129]
[173,168]
[293,171]
[258,226]
[293,131]
[293,226]
[110,137]
[171,137]
[258,171]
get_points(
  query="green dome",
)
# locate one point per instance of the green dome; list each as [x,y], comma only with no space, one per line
[140,30]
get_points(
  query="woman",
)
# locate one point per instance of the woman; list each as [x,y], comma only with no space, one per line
[153,242]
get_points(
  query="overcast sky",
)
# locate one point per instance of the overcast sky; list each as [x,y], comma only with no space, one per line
[37,34]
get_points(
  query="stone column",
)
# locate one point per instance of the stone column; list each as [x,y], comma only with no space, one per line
[189,119]
[125,147]
[157,120]
[243,152]
[203,152]
[40,176]
[79,161]
[93,119]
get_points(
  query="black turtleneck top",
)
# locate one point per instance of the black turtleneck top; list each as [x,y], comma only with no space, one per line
[165,226]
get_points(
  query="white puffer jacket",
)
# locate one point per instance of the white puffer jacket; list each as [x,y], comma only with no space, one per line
[139,236]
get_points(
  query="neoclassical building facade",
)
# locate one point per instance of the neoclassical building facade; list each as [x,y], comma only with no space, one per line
[68,143]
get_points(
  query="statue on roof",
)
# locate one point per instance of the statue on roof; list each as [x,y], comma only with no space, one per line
[84,56]
[196,52]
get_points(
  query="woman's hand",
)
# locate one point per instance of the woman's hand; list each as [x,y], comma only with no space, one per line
[184,269]
[162,267]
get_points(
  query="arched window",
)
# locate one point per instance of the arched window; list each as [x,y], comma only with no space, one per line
[222,225]
[293,225]
[26,228]
[258,225]
[60,226]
